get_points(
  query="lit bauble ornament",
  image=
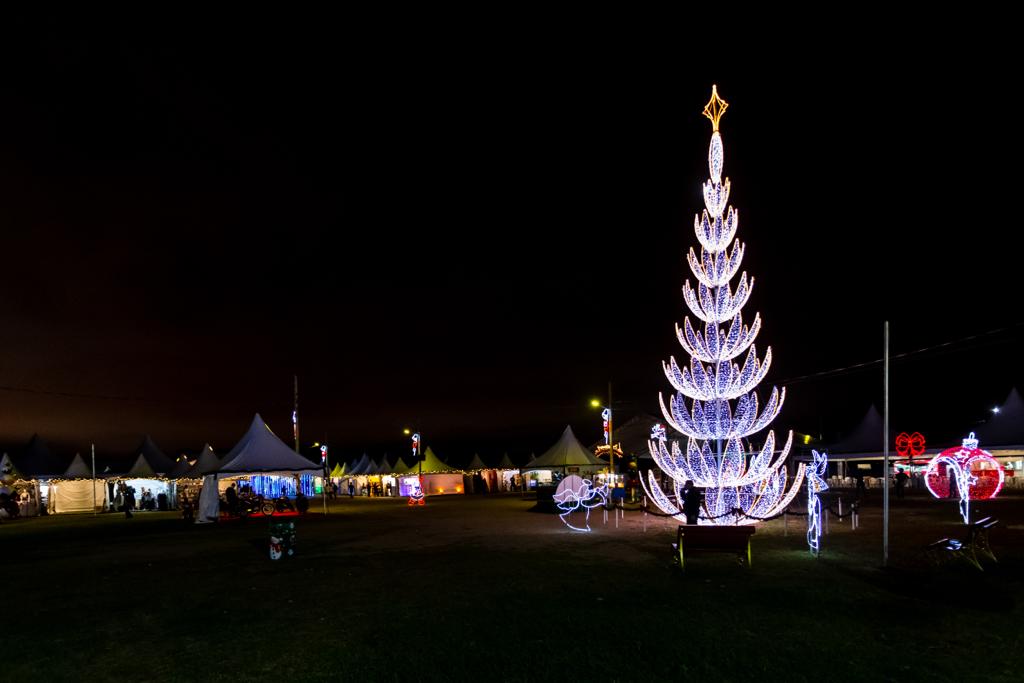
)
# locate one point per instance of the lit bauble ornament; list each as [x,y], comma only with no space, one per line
[983,473]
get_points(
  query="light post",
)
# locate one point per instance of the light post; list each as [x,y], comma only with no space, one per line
[327,472]
[416,441]
[606,413]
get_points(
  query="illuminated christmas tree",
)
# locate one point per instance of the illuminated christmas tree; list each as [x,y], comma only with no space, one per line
[715,404]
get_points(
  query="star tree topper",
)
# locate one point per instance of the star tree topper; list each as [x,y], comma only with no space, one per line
[715,107]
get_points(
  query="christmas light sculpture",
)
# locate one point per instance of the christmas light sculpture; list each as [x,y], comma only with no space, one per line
[575,493]
[910,445]
[977,474]
[658,432]
[739,488]
[606,416]
[815,485]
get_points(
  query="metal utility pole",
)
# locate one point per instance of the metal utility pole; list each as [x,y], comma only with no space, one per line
[93,478]
[611,439]
[885,452]
[295,415]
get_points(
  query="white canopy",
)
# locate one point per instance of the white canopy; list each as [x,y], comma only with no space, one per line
[260,451]
[567,452]
[206,463]
[77,469]
[141,468]
[155,460]
[360,466]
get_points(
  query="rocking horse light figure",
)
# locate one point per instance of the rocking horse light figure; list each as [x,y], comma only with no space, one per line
[575,493]
[815,485]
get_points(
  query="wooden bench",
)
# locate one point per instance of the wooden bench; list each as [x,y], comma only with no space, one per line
[693,539]
[948,549]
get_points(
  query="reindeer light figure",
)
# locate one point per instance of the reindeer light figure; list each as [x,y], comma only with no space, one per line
[815,485]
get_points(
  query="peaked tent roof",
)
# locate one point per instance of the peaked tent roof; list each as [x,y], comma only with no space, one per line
[400,467]
[1005,428]
[567,452]
[206,463]
[154,457]
[77,469]
[384,467]
[141,468]
[360,465]
[338,471]
[865,438]
[181,465]
[37,460]
[476,463]
[432,464]
[506,463]
[8,470]
[260,451]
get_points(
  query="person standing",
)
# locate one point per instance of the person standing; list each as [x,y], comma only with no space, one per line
[351,489]
[129,501]
[232,498]
[691,502]
[901,482]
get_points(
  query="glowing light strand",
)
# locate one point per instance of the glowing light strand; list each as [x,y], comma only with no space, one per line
[658,432]
[961,463]
[715,404]
[815,485]
[582,496]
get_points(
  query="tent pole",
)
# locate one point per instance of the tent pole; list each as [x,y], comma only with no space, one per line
[295,414]
[93,478]
[885,455]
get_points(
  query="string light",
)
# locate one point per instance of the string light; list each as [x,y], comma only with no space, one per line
[815,485]
[715,399]
[575,493]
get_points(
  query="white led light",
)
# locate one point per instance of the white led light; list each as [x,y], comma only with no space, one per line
[815,485]
[575,494]
[715,404]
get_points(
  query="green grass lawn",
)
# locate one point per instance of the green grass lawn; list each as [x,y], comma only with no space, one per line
[479,588]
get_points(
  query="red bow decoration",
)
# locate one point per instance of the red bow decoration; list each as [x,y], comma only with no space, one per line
[910,444]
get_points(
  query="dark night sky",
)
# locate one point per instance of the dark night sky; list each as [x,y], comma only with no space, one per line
[477,237]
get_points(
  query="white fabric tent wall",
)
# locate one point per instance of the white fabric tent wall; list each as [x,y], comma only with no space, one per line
[209,501]
[76,495]
[442,483]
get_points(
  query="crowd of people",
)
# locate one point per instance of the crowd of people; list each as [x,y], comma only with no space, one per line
[16,502]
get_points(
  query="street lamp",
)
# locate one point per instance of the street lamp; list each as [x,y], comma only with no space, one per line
[606,414]
[416,441]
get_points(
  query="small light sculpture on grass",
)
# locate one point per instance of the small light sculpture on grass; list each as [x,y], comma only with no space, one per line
[575,493]
[815,485]
[977,474]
